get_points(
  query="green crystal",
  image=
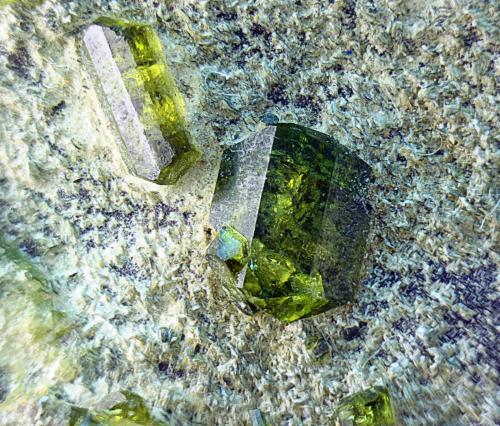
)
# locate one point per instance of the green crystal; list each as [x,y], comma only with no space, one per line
[232,248]
[311,219]
[132,411]
[371,407]
[48,324]
[150,113]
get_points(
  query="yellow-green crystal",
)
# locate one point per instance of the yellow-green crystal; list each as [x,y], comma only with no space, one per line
[164,106]
[371,407]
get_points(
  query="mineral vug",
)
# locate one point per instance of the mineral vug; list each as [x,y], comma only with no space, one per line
[142,95]
[300,199]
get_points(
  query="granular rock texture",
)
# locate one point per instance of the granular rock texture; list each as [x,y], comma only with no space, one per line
[409,86]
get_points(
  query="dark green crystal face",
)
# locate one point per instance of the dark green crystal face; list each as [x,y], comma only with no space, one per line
[311,228]
[371,407]
[155,132]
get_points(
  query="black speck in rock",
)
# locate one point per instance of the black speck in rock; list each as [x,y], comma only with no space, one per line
[260,30]
[3,386]
[401,159]
[277,94]
[351,333]
[58,108]
[345,91]
[227,16]
[20,61]
[163,367]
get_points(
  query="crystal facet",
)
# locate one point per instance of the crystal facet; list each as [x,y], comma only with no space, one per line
[147,106]
[371,407]
[300,199]
[232,248]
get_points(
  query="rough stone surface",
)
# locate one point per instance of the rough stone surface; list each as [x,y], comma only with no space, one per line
[409,86]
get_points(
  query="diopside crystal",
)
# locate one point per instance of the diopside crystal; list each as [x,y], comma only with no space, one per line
[371,407]
[147,106]
[299,198]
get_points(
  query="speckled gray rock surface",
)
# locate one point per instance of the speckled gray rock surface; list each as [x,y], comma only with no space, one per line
[411,87]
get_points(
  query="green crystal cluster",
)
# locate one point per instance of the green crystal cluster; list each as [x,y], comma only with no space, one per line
[371,407]
[165,106]
[132,411]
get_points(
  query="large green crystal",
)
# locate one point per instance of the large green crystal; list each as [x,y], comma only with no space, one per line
[147,106]
[311,224]
[371,407]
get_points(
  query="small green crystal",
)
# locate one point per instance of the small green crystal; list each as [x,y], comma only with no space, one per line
[148,108]
[371,407]
[132,411]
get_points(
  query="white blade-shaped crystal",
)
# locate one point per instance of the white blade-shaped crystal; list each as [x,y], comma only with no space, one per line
[141,144]
[237,196]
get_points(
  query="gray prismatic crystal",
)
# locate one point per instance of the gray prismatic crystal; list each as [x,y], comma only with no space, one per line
[146,150]
[239,186]
[241,180]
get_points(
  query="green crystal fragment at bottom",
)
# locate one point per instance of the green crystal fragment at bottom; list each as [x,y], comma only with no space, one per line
[132,411]
[371,407]
[273,284]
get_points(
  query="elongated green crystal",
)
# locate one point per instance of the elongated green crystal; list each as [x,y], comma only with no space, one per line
[309,225]
[147,106]
[371,407]
[232,248]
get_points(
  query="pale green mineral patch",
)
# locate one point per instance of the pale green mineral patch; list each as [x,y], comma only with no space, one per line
[31,327]
[371,407]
